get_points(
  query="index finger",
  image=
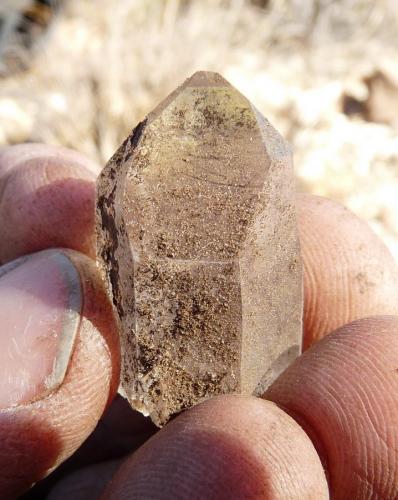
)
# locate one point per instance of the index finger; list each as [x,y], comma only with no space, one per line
[46,200]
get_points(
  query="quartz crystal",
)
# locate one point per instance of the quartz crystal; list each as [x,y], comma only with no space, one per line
[197,240]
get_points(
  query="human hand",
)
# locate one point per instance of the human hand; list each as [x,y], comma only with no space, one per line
[335,416]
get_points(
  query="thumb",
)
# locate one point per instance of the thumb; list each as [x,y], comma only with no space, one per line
[59,362]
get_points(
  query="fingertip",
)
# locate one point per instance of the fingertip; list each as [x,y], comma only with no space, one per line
[47,200]
[348,271]
[227,447]
[344,392]
[12,156]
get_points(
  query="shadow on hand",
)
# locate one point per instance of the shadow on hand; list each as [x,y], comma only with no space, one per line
[120,431]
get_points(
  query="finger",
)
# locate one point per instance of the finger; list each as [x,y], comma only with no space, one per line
[46,200]
[348,272]
[228,447]
[344,393]
[59,362]
[11,156]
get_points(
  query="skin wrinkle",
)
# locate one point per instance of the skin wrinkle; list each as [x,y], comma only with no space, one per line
[28,175]
[282,463]
[313,436]
[45,171]
[99,314]
[85,392]
[71,429]
[375,414]
[346,304]
[338,292]
[369,408]
[322,321]
[368,466]
[308,256]
[372,492]
[200,470]
[310,303]
[364,428]
[265,456]
[342,260]
[310,317]
[305,423]
[289,472]
[42,402]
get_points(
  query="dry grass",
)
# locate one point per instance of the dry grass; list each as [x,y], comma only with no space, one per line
[106,64]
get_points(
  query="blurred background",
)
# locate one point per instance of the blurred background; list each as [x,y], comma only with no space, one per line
[82,73]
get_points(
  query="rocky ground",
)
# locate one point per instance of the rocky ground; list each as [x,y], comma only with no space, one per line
[325,73]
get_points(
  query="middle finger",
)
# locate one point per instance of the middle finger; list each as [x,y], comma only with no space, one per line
[348,271]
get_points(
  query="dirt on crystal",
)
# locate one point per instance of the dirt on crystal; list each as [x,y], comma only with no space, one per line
[197,239]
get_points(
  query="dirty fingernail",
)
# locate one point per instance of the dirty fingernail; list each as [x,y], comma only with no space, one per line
[40,306]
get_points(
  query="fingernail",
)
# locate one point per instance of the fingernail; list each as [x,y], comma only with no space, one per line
[40,306]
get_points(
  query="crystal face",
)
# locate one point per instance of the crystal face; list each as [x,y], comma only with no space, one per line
[197,240]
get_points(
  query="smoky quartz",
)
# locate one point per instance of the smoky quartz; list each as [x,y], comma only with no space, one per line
[197,241]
